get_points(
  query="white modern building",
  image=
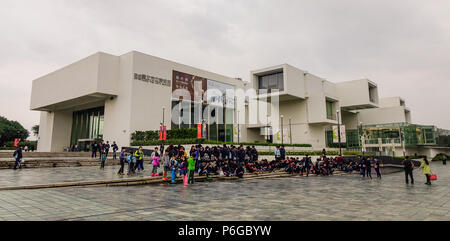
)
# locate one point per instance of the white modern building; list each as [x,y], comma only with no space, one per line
[109,97]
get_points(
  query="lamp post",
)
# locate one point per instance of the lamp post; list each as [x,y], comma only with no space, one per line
[339,132]
[361,136]
[239,129]
[290,130]
[282,137]
[267,130]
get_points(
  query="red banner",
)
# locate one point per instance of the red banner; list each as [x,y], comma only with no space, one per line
[199,131]
[163,133]
[16,141]
[164,136]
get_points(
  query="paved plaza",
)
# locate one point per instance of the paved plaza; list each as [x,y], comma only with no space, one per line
[297,198]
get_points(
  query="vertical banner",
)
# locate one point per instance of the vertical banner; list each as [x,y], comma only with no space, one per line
[164,133]
[199,131]
[16,141]
[204,131]
[336,134]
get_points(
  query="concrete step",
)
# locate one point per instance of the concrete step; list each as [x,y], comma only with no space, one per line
[151,180]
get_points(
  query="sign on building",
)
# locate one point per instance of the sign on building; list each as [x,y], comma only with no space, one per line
[336,134]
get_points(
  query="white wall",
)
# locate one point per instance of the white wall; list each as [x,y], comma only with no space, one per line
[382,115]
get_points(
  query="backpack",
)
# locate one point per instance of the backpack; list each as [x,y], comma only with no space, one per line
[408,164]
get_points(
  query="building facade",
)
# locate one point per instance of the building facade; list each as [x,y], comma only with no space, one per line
[109,97]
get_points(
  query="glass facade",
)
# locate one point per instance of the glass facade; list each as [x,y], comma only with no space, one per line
[219,119]
[271,82]
[87,125]
[412,135]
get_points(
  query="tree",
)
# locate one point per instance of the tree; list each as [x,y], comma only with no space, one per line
[10,130]
[35,130]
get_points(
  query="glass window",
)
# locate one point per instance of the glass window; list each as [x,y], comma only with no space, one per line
[272,82]
[330,110]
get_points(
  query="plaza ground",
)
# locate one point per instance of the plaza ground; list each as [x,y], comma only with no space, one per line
[297,198]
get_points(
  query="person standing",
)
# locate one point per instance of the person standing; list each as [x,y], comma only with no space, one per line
[115,148]
[282,153]
[139,154]
[106,148]
[368,164]
[444,160]
[183,170]
[426,170]
[155,158]
[122,161]
[173,168]
[191,168]
[94,150]
[408,166]
[131,163]
[165,164]
[277,154]
[102,160]
[377,166]
[18,156]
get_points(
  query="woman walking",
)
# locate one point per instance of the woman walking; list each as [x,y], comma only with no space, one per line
[426,170]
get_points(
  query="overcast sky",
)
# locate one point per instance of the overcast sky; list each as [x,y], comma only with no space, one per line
[403,46]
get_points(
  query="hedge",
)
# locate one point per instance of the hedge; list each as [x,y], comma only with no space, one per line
[439,157]
[171,135]
[206,142]
[301,153]
[10,144]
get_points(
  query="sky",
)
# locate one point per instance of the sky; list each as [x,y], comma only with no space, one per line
[403,46]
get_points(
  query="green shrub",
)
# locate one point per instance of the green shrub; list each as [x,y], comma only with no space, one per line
[439,157]
[10,144]
[301,153]
[205,142]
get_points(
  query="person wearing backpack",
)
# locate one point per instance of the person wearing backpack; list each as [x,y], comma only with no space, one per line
[426,170]
[409,168]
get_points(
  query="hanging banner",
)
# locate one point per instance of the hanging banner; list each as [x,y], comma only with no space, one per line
[199,131]
[336,134]
[163,133]
[204,131]
[16,141]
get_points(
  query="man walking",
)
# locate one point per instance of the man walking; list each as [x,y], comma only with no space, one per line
[409,168]
[444,160]
[18,156]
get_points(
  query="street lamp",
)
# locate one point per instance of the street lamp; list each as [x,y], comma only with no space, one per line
[267,130]
[361,136]
[290,130]
[339,132]
[239,141]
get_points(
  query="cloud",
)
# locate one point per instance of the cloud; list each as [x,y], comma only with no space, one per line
[401,45]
